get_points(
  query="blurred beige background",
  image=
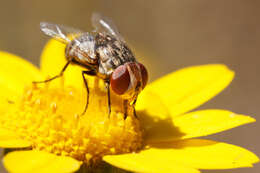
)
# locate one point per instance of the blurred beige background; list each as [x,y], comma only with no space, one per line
[167,35]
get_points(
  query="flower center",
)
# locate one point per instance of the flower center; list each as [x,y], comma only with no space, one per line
[50,118]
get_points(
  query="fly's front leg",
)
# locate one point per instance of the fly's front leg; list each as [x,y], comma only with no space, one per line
[126,105]
[55,77]
[125,108]
[133,105]
[91,73]
[108,97]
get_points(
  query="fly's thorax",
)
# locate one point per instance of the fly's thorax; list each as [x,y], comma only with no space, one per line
[82,50]
[112,53]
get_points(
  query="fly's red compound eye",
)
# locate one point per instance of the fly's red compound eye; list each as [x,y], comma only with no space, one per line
[120,80]
[144,74]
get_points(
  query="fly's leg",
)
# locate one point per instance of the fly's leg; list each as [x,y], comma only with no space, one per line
[108,97]
[126,104]
[133,105]
[125,109]
[55,77]
[91,73]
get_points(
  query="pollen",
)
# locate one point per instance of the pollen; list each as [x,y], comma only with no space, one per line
[50,117]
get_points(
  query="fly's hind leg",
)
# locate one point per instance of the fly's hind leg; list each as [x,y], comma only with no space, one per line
[57,76]
[91,73]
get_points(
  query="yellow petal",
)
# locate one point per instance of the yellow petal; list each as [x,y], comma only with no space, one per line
[150,106]
[9,139]
[147,163]
[53,60]
[188,88]
[15,73]
[38,161]
[194,124]
[202,154]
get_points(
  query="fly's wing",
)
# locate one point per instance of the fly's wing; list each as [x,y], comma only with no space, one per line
[104,24]
[61,33]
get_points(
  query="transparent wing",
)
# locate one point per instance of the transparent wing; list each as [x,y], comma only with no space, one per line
[61,33]
[104,24]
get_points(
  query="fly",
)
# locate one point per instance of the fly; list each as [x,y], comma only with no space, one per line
[104,54]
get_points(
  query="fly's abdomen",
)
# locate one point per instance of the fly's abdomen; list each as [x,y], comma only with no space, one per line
[82,50]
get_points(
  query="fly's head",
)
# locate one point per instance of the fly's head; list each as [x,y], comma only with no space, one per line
[129,79]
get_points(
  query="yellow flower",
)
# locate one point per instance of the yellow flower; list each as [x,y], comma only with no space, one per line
[43,121]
